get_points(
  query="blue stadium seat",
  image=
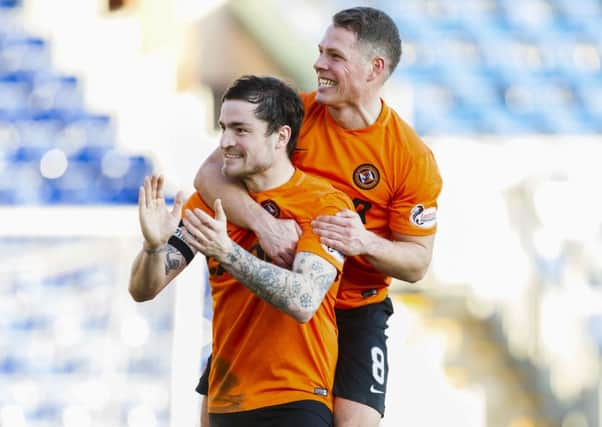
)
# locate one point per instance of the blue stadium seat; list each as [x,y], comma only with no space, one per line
[473,89]
[124,189]
[85,134]
[531,18]
[10,4]
[14,91]
[24,53]
[75,186]
[512,62]
[55,92]
[37,134]
[589,92]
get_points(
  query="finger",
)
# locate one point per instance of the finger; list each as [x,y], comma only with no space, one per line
[288,258]
[159,190]
[148,192]
[324,232]
[206,219]
[201,224]
[176,211]
[346,213]
[196,232]
[154,180]
[284,257]
[220,215]
[325,227]
[141,198]
[281,261]
[192,219]
[330,219]
[189,238]
[334,244]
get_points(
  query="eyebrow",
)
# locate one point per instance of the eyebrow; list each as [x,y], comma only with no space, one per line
[234,124]
[331,50]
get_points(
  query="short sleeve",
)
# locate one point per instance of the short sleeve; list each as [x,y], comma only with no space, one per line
[194,202]
[310,242]
[414,207]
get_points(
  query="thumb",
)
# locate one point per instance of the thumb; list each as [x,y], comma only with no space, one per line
[220,215]
[178,204]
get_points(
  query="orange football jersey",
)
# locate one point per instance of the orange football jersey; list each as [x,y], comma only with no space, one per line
[389,173]
[261,356]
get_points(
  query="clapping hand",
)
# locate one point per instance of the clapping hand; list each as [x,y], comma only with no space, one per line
[156,221]
[206,234]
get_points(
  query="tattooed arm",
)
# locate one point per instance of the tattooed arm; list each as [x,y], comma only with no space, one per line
[158,262]
[297,293]
[153,269]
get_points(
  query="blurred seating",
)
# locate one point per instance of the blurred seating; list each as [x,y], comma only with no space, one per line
[68,354]
[59,151]
[529,58]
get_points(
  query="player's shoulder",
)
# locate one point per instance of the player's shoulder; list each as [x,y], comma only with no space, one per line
[307,97]
[309,102]
[402,135]
[320,191]
[195,201]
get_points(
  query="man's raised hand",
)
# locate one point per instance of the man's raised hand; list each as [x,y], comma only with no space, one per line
[156,221]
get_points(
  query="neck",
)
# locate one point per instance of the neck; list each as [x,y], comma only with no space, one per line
[357,116]
[276,175]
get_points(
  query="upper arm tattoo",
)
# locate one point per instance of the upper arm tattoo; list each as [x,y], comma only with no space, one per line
[296,291]
[319,271]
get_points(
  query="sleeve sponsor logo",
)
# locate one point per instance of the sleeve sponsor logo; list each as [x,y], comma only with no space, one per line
[334,253]
[423,217]
[366,176]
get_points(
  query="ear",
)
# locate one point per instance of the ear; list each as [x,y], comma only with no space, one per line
[284,135]
[378,68]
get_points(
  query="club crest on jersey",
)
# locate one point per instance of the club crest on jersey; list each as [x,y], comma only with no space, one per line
[271,207]
[366,176]
[423,217]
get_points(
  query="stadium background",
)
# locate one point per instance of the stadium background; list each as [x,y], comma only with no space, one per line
[506,329]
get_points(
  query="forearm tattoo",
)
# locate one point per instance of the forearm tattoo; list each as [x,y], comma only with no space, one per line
[173,259]
[302,289]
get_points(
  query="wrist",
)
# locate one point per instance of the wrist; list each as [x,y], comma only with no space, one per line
[261,220]
[152,249]
[227,256]
[374,244]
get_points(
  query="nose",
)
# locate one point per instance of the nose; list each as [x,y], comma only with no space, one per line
[226,140]
[320,63]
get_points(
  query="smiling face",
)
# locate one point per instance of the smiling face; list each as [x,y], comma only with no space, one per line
[342,68]
[246,149]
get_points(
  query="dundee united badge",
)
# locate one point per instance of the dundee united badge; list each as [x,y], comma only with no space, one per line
[366,176]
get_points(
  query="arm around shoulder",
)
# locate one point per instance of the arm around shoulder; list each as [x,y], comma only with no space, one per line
[277,237]
[404,257]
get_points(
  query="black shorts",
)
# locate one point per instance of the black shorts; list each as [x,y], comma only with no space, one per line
[203,385]
[362,366]
[303,413]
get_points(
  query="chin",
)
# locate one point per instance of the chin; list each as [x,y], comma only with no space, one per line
[231,173]
[322,97]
